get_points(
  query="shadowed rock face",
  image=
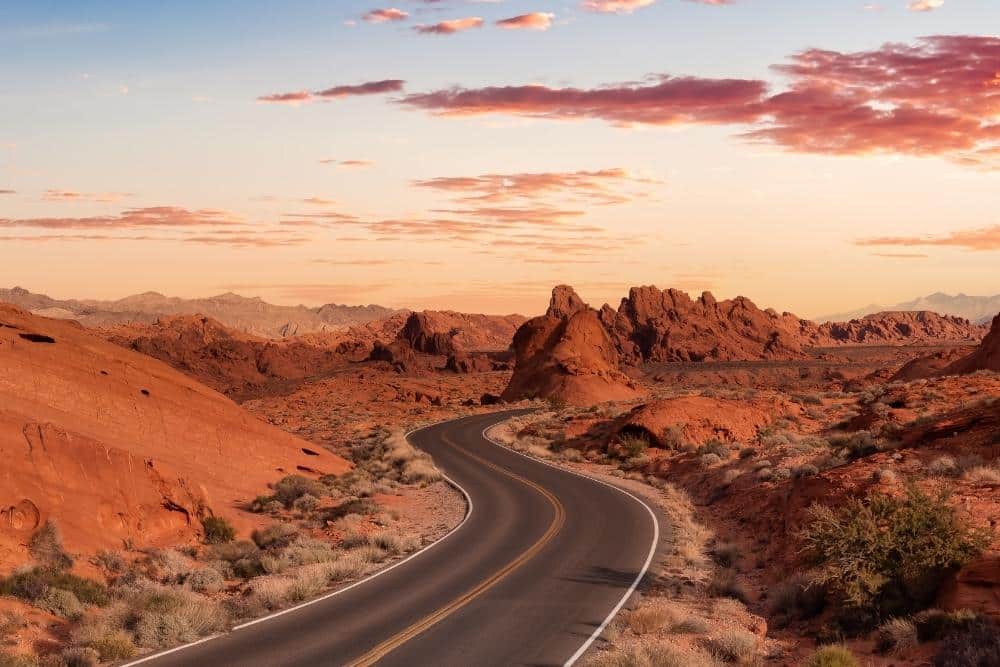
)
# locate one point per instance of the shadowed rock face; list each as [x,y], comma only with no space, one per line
[985,358]
[422,337]
[567,355]
[116,446]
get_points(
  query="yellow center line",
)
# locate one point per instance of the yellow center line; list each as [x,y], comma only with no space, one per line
[391,644]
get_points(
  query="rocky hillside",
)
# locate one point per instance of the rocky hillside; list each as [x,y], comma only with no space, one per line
[234,363]
[900,327]
[119,448]
[985,358]
[249,315]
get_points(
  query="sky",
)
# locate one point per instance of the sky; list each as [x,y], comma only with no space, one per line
[812,156]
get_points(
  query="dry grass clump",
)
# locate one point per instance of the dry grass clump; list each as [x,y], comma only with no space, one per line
[689,537]
[275,536]
[831,656]
[983,475]
[689,625]
[726,583]
[660,654]
[896,636]
[46,547]
[205,580]
[797,598]
[645,620]
[735,646]
[61,603]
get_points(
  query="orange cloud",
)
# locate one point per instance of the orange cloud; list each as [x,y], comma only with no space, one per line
[69,195]
[982,239]
[154,216]
[532,21]
[348,163]
[451,26]
[336,92]
[592,185]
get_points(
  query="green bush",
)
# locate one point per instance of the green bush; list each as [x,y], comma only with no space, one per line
[62,603]
[885,555]
[832,656]
[218,530]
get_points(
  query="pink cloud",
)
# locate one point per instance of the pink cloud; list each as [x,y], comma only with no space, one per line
[532,21]
[336,92]
[982,239]
[153,216]
[615,6]
[451,26]
[385,15]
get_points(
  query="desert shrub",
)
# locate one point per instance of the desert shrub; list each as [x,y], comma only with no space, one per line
[672,437]
[831,656]
[737,646]
[896,636]
[936,624]
[690,625]
[30,585]
[275,536]
[716,447]
[944,466]
[976,646]
[114,645]
[79,657]
[983,475]
[289,489]
[217,530]
[307,551]
[730,476]
[306,503]
[647,619]
[169,566]
[348,566]
[726,554]
[748,453]
[161,616]
[709,460]
[359,506]
[765,474]
[887,555]
[725,583]
[797,598]
[206,580]
[46,547]
[571,455]
[420,470]
[60,603]
[233,551]
[111,562]
[855,445]
[632,445]
[805,470]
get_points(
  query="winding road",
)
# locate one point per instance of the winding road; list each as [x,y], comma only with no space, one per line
[543,559]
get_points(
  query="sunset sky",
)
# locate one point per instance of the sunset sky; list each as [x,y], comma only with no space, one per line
[813,156]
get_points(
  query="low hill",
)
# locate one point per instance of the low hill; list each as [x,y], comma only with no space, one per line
[119,448]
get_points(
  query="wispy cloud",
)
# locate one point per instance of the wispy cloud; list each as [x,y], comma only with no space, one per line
[981,239]
[336,92]
[532,21]
[450,26]
[385,15]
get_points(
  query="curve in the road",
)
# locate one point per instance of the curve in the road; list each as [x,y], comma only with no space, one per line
[532,575]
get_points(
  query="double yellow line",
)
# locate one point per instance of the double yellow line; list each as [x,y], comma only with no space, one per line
[394,642]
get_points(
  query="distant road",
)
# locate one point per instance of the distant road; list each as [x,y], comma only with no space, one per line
[542,560]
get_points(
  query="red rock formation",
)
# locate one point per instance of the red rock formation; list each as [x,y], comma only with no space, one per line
[907,327]
[444,332]
[985,358]
[654,325]
[116,446]
[567,355]
[398,353]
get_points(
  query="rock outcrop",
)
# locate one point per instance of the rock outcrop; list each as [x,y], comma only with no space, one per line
[118,447]
[895,327]
[567,355]
[398,353]
[442,333]
[653,325]
[985,358]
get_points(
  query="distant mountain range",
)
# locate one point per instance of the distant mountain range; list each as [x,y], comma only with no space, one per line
[250,315]
[979,309]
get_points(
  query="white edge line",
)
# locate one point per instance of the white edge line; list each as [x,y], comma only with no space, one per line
[642,573]
[468,513]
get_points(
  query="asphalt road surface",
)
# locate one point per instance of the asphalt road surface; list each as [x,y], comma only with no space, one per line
[541,561]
